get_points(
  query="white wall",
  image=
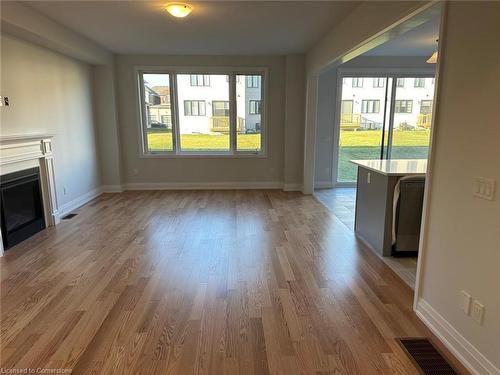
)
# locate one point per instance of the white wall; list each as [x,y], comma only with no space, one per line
[462,246]
[294,121]
[266,171]
[106,121]
[51,93]
[327,94]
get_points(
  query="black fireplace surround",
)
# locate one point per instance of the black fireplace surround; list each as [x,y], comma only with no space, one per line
[21,206]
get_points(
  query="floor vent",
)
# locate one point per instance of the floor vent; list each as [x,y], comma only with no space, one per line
[69,216]
[427,357]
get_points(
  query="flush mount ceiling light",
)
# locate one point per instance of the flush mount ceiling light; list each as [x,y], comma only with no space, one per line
[179,10]
[434,57]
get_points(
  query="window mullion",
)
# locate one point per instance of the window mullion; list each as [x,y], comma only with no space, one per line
[175,114]
[232,113]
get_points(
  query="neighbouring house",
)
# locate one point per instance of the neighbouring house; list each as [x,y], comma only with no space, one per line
[158,107]
[203,103]
[362,105]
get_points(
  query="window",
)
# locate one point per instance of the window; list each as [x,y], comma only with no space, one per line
[220,108]
[254,107]
[194,108]
[253,81]
[426,107]
[200,79]
[419,82]
[248,114]
[155,105]
[357,82]
[400,82]
[378,82]
[211,113]
[403,106]
[370,106]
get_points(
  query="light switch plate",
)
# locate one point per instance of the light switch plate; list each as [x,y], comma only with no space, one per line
[465,300]
[477,312]
[483,188]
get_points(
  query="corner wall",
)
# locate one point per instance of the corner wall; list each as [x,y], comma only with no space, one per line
[52,94]
[461,249]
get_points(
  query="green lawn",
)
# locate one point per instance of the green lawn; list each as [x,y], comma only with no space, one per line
[353,145]
[160,140]
[366,145]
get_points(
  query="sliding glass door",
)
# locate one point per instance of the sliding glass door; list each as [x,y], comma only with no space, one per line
[410,131]
[381,117]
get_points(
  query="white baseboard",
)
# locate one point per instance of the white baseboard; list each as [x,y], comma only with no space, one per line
[202,185]
[81,200]
[78,202]
[323,184]
[465,352]
[292,187]
[112,188]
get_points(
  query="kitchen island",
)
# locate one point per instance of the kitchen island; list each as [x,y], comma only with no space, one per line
[377,180]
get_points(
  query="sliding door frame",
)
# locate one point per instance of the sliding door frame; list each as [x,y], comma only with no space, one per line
[387,130]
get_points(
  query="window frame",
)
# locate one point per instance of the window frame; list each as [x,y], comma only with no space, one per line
[367,101]
[176,151]
[376,82]
[430,101]
[257,105]
[406,101]
[357,80]
[197,78]
[228,109]
[419,79]
[198,102]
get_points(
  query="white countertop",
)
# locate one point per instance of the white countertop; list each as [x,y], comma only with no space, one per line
[395,167]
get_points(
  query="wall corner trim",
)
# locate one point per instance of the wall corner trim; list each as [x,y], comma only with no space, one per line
[203,185]
[112,188]
[458,345]
[292,187]
[79,201]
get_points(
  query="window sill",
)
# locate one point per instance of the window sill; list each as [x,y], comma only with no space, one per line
[187,155]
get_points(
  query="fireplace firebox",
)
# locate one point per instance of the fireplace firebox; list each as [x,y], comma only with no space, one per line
[21,203]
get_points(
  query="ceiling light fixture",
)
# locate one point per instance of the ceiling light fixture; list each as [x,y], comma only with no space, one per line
[434,57]
[179,10]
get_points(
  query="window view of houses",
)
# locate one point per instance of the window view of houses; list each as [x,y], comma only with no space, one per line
[365,120]
[203,112]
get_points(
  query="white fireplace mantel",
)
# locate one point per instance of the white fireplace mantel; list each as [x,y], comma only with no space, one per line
[19,152]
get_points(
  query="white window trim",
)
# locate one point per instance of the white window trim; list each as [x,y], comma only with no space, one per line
[177,153]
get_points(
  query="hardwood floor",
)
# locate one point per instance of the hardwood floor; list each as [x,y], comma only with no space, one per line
[342,203]
[208,282]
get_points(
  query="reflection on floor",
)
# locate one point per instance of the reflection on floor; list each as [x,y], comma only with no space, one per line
[342,201]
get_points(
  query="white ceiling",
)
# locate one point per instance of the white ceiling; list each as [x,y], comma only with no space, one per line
[421,41]
[214,28]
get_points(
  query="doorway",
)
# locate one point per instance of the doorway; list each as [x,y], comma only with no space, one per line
[382,116]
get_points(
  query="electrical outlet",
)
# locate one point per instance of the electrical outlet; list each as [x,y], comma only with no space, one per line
[483,188]
[477,312]
[465,300]
[368,178]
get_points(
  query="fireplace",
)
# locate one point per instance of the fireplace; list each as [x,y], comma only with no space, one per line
[26,169]
[21,204]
